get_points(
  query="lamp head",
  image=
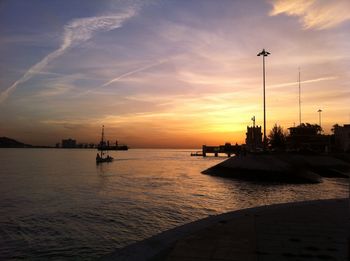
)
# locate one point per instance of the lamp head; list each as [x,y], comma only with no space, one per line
[264,53]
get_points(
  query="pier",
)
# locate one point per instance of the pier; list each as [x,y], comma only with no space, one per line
[227,149]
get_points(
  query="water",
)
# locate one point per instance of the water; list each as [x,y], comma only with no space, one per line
[57,204]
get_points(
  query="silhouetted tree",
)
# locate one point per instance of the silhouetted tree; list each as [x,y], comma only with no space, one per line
[277,138]
[315,127]
[334,127]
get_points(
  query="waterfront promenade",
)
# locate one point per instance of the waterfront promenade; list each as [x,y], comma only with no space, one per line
[313,230]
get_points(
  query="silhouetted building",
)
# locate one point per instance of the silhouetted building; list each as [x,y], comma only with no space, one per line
[342,137]
[69,143]
[253,138]
[302,132]
[307,137]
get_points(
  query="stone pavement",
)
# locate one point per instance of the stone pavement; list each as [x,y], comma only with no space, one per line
[310,230]
[300,231]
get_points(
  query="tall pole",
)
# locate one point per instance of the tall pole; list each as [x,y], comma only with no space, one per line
[264,102]
[319,118]
[264,53]
[299,100]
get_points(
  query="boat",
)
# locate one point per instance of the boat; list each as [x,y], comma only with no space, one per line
[112,147]
[101,157]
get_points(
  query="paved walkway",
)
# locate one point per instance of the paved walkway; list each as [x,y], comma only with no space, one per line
[314,230]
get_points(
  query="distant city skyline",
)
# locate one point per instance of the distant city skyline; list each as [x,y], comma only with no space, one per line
[173,74]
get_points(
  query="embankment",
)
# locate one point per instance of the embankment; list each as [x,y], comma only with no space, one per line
[300,231]
[281,167]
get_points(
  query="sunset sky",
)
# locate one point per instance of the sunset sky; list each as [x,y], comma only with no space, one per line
[169,73]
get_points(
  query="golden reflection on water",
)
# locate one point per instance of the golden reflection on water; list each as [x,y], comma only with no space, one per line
[63,197]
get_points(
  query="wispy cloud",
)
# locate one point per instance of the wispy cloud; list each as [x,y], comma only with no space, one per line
[214,80]
[75,32]
[55,90]
[317,14]
[122,76]
[143,68]
[303,82]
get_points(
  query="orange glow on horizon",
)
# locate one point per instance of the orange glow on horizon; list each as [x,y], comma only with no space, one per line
[173,81]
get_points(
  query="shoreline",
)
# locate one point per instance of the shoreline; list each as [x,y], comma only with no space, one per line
[164,244]
[282,167]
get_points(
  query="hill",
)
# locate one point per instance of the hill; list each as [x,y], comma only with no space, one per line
[11,143]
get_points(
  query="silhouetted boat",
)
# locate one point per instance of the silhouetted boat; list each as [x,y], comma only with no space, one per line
[100,157]
[105,146]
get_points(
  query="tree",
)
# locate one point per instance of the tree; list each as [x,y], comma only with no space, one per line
[277,137]
[334,127]
[310,128]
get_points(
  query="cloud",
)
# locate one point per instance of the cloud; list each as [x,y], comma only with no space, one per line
[122,76]
[131,73]
[316,14]
[306,81]
[56,90]
[206,79]
[75,32]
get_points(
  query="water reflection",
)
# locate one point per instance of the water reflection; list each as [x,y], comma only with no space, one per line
[63,205]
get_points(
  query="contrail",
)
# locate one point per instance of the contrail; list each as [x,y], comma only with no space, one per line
[131,73]
[75,32]
[306,81]
[123,76]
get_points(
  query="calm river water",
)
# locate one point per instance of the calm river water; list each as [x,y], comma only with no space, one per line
[57,204]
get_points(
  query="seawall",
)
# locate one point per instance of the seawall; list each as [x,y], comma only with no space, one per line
[311,229]
[281,167]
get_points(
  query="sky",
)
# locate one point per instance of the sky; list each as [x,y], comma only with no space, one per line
[169,74]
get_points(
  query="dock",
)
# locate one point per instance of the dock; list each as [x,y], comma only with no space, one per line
[227,149]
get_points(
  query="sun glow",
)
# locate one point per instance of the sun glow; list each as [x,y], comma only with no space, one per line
[173,80]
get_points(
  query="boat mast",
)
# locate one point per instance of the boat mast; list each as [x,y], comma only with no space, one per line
[102,139]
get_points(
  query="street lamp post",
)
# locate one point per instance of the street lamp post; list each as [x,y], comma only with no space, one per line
[319,118]
[264,53]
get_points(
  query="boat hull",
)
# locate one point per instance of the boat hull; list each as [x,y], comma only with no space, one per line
[121,147]
[101,160]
